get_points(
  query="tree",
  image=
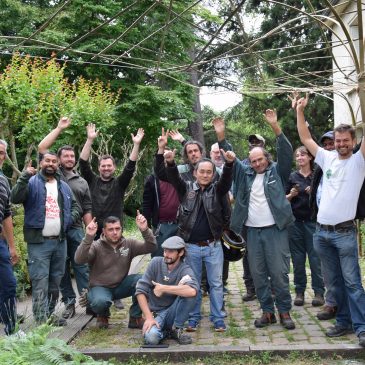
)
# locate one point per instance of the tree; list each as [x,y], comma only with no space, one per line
[34,94]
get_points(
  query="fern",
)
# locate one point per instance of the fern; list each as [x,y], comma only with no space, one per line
[37,348]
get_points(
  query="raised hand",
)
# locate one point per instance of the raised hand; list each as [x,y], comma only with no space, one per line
[176,135]
[30,169]
[141,221]
[294,99]
[64,123]
[302,103]
[271,116]
[92,133]
[229,156]
[92,228]
[162,140]
[169,156]
[219,125]
[137,139]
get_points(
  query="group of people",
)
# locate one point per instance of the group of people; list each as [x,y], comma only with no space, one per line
[185,211]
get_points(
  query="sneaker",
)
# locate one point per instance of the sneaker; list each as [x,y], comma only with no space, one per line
[57,321]
[249,296]
[102,322]
[286,321]
[337,331]
[136,322]
[69,311]
[318,300]
[362,339]
[327,312]
[266,319]
[299,299]
[220,326]
[225,290]
[192,326]
[179,335]
[118,304]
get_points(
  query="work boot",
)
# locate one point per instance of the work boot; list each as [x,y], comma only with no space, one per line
[102,322]
[136,322]
[337,331]
[362,339]
[266,319]
[318,300]
[179,335]
[299,299]
[249,296]
[69,311]
[327,312]
[286,321]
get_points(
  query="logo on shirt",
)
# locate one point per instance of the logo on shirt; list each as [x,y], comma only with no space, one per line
[328,173]
[124,251]
[191,195]
[165,278]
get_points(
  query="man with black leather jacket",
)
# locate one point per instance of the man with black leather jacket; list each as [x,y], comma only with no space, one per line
[201,220]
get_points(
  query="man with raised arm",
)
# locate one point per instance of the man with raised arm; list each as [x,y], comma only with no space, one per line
[166,294]
[75,233]
[49,211]
[109,258]
[335,236]
[107,191]
[261,206]
[201,221]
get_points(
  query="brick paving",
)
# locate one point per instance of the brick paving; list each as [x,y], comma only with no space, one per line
[241,332]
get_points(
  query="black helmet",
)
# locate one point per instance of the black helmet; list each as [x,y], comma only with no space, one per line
[234,246]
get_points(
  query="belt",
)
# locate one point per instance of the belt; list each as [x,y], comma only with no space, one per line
[51,237]
[326,227]
[204,243]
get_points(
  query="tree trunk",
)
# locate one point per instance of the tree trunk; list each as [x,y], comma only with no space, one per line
[196,126]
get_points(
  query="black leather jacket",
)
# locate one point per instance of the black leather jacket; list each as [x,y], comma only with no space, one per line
[213,197]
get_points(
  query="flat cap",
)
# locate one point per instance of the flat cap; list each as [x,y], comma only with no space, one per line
[328,135]
[173,243]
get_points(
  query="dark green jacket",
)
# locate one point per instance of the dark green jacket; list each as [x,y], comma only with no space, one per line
[275,181]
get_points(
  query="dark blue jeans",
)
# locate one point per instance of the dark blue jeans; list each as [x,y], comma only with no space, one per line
[174,316]
[269,256]
[338,252]
[74,237]
[101,298]
[301,245]
[46,266]
[163,232]
[7,289]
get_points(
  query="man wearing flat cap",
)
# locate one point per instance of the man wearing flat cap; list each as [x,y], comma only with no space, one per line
[166,294]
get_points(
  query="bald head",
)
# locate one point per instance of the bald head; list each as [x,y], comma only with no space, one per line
[259,159]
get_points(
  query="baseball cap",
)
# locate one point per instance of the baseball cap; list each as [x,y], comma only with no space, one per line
[173,243]
[328,134]
[253,137]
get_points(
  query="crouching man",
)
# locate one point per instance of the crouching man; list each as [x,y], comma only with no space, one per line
[109,259]
[166,294]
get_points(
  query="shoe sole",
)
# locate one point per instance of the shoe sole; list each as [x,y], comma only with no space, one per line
[299,304]
[325,318]
[220,329]
[191,329]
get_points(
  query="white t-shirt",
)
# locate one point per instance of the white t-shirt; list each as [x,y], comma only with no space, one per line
[342,181]
[259,213]
[52,224]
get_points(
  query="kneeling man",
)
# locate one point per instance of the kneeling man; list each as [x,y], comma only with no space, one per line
[166,294]
[109,259]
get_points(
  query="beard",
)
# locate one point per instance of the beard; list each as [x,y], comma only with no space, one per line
[49,171]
